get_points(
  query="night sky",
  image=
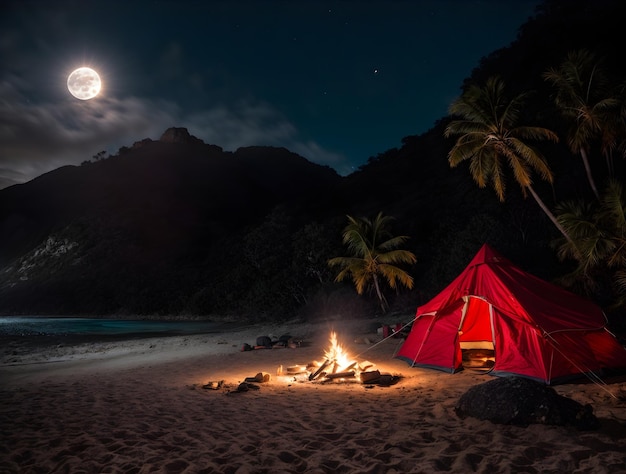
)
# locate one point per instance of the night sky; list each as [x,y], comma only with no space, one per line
[334,81]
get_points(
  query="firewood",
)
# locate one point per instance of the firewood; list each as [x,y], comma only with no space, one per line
[349,367]
[370,377]
[315,374]
[340,375]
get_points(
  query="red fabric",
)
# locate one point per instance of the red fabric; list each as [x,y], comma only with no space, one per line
[476,325]
[540,330]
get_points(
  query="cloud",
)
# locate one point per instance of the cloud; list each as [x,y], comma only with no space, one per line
[248,124]
[35,139]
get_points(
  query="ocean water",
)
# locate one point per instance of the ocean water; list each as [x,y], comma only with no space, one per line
[43,326]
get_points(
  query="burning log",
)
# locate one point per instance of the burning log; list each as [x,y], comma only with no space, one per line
[315,374]
[341,375]
[349,368]
[330,369]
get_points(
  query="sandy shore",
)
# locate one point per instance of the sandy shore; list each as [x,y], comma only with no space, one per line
[138,406]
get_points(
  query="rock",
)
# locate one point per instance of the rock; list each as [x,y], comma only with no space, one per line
[521,401]
[213,385]
[141,143]
[179,135]
[264,341]
[244,387]
[261,377]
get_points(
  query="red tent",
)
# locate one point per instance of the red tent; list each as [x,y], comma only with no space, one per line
[534,328]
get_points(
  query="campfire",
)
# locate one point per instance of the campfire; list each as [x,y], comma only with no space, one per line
[338,365]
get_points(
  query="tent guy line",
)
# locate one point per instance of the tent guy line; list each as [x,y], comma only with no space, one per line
[586,371]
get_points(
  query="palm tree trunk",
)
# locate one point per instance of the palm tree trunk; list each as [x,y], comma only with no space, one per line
[548,213]
[609,163]
[381,297]
[583,154]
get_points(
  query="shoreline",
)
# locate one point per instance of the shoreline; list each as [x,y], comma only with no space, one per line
[123,317]
[139,406]
[15,344]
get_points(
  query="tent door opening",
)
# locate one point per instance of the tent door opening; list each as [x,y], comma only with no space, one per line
[476,335]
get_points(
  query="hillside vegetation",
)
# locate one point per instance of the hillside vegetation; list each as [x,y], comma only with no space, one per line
[177,227]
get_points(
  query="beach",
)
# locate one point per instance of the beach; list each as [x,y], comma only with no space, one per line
[151,405]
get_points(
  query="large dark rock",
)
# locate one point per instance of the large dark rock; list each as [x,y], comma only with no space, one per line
[521,401]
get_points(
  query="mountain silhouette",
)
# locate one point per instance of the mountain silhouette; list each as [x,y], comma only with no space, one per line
[178,227]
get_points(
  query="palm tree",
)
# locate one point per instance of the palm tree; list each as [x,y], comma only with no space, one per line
[599,234]
[584,99]
[614,132]
[374,257]
[490,138]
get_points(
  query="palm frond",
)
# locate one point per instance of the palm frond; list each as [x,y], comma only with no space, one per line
[590,245]
[620,281]
[355,236]
[466,127]
[519,165]
[532,157]
[361,281]
[392,243]
[394,275]
[380,229]
[344,261]
[511,110]
[396,256]
[614,206]
[497,177]
[534,133]
[482,167]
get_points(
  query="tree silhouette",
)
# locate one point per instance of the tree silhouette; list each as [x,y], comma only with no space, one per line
[585,101]
[598,233]
[374,257]
[490,138]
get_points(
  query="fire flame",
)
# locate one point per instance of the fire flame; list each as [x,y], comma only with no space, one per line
[337,353]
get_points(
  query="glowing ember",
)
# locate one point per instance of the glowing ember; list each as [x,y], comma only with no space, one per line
[337,353]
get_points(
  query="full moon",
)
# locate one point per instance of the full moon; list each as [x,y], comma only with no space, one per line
[84,83]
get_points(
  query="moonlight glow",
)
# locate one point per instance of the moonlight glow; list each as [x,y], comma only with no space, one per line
[84,83]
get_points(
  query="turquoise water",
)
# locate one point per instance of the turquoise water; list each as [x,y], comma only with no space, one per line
[30,326]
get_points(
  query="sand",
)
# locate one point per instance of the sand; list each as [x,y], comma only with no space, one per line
[139,406]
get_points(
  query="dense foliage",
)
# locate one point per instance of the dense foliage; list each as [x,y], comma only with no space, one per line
[184,228]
